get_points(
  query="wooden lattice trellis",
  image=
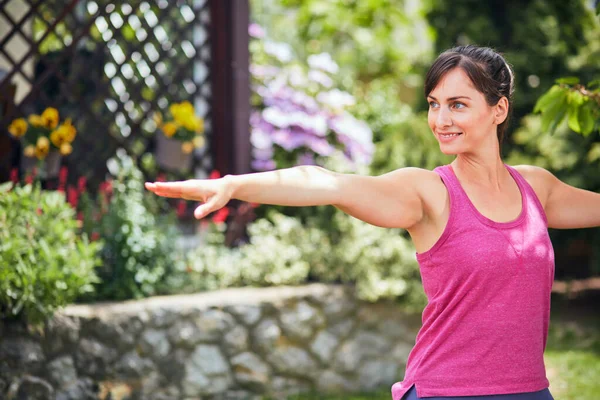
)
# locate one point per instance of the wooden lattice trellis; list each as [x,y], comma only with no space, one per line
[110,65]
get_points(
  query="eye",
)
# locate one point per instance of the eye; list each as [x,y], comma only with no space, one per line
[459,105]
[433,104]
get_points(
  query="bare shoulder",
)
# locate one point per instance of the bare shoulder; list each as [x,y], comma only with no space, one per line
[419,179]
[427,185]
[540,179]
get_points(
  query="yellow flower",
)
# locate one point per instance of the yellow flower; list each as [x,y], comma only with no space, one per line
[67,130]
[43,143]
[40,153]
[50,118]
[169,129]
[182,111]
[66,149]
[57,138]
[36,120]
[18,127]
[193,124]
[187,147]
[199,141]
[42,148]
[29,151]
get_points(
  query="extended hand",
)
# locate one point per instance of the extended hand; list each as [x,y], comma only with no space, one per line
[214,193]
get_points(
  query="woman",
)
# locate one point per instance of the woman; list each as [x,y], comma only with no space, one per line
[479,227]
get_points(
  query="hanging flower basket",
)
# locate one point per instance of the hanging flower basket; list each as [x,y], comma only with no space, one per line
[170,156]
[177,136]
[48,168]
[45,140]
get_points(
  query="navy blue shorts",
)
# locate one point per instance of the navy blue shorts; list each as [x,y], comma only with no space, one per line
[540,395]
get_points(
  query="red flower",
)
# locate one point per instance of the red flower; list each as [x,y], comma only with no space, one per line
[38,211]
[215,174]
[160,178]
[95,236]
[181,207]
[72,196]
[105,187]
[81,183]
[221,216]
[14,175]
[62,179]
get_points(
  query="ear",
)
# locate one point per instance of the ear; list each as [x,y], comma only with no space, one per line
[501,111]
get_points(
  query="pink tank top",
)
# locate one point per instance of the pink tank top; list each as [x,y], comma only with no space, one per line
[488,287]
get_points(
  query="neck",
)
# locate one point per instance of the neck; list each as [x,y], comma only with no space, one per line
[485,172]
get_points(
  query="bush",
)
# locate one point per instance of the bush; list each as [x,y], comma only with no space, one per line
[44,264]
[139,250]
[284,251]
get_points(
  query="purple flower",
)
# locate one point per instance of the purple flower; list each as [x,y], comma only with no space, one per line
[287,139]
[260,165]
[320,146]
[260,139]
[306,159]
[256,31]
[263,154]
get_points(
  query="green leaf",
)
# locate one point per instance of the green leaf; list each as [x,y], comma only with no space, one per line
[586,119]
[594,83]
[573,118]
[548,98]
[569,80]
[554,113]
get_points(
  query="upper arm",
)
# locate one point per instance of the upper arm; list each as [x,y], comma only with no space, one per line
[566,206]
[391,200]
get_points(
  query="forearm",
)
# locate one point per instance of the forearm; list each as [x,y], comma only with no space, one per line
[297,186]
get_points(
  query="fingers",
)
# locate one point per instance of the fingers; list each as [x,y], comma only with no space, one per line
[206,208]
[181,189]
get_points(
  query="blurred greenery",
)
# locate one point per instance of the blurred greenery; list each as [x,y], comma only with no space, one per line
[44,262]
[380,262]
[139,252]
[543,40]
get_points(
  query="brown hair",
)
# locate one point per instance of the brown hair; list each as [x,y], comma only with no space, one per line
[488,70]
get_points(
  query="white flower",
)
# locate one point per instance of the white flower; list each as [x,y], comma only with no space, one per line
[336,99]
[281,51]
[323,62]
[320,77]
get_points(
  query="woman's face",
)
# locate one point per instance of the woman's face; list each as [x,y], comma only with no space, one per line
[459,116]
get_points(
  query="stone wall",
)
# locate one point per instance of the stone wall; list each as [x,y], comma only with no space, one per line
[230,344]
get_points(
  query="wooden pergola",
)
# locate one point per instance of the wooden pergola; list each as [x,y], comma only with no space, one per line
[110,67]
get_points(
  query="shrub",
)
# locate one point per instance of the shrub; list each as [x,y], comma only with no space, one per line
[284,251]
[139,250]
[44,263]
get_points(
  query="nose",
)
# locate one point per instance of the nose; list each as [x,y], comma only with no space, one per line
[443,117]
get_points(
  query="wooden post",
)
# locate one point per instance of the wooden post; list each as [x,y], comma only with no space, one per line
[230,77]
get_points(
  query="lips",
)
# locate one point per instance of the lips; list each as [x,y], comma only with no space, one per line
[450,134]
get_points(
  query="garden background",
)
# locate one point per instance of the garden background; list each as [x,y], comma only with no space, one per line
[335,83]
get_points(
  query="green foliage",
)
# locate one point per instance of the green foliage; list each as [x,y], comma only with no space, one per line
[44,263]
[283,251]
[139,251]
[567,98]
[367,38]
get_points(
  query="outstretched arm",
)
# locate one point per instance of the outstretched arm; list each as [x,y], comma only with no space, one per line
[389,200]
[566,207]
